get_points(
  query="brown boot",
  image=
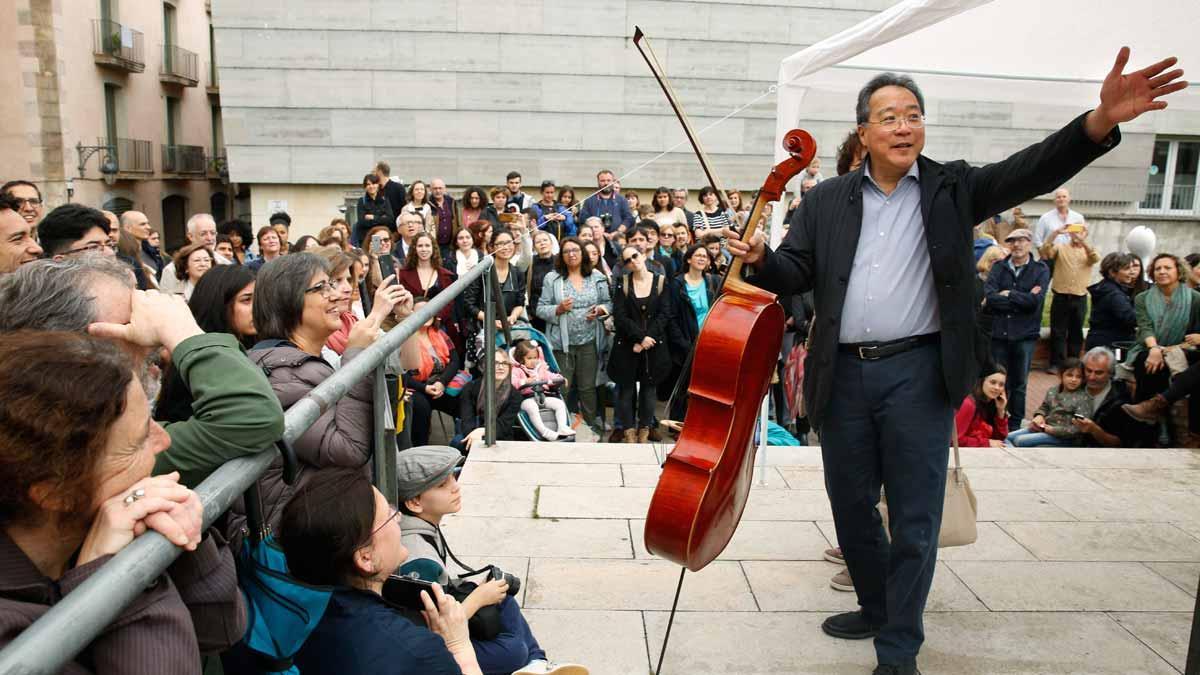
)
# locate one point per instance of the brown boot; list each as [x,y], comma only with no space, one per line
[631,435]
[1148,411]
[643,435]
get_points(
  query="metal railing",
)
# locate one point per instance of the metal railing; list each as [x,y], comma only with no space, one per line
[180,64]
[117,45]
[131,155]
[69,626]
[188,159]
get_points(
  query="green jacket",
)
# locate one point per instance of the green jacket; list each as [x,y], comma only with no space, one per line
[235,410]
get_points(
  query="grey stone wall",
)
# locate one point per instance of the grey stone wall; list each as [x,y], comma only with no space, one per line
[314,92]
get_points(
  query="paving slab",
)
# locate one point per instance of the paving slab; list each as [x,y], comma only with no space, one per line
[1070,586]
[791,455]
[1185,575]
[1145,479]
[989,458]
[568,453]
[993,544]
[607,642]
[645,475]
[557,583]
[1110,458]
[499,499]
[540,473]
[1025,506]
[759,540]
[1166,633]
[593,502]
[758,643]
[787,505]
[1042,479]
[798,586]
[1157,542]
[1128,505]
[544,537]
[1028,643]
[802,477]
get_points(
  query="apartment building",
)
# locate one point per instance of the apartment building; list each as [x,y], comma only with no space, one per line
[115,104]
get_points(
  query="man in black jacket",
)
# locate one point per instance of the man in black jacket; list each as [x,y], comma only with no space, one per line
[393,189]
[887,250]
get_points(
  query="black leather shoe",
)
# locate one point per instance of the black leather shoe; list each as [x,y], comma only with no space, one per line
[885,669]
[850,626]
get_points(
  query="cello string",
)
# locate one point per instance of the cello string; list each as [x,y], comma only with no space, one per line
[670,621]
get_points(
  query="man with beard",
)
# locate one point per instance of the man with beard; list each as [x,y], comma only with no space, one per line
[607,205]
[235,412]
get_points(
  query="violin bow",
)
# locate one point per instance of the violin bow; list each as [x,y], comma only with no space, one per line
[643,47]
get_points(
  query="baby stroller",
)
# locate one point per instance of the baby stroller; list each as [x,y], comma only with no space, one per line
[540,389]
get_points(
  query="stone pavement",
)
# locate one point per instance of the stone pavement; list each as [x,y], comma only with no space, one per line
[1087,562]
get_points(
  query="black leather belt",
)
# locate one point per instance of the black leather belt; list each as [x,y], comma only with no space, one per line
[873,351]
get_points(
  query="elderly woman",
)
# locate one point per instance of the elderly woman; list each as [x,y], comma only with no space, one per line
[345,273]
[191,262]
[342,532]
[541,265]
[269,247]
[574,302]
[639,359]
[1168,316]
[77,447]
[1113,316]
[297,308]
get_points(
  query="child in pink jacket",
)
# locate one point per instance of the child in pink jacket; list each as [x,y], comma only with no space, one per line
[528,368]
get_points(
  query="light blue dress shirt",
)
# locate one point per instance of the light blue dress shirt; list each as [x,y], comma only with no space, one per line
[890,293]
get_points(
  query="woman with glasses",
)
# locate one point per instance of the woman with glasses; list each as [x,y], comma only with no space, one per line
[472,406]
[575,300]
[512,286]
[692,294]
[191,262]
[297,307]
[639,359]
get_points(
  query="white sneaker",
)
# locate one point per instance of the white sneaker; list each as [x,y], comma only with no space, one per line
[565,431]
[543,667]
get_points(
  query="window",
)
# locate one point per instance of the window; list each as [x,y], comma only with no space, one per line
[1172,185]
[110,112]
[172,119]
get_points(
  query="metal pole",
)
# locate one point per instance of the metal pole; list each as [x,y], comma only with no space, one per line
[68,627]
[384,456]
[489,358]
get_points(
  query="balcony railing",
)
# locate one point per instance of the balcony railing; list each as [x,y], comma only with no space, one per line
[118,46]
[179,66]
[131,155]
[184,159]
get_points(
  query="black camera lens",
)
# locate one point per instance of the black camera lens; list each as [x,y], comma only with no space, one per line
[513,581]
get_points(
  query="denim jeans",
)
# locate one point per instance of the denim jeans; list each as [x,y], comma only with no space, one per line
[1015,356]
[1028,438]
[513,648]
[889,425]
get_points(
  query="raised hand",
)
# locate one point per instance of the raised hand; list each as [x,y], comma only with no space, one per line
[1124,97]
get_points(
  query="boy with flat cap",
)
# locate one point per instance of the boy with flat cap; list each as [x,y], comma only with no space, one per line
[428,490]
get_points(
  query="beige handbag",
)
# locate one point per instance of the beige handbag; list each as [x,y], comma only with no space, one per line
[959,510]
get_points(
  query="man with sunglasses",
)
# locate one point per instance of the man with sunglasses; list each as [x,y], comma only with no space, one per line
[74,229]
[888,253]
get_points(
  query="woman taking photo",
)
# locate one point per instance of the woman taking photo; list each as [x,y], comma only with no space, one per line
[439,364]
[982,418]
[191,262]
[1168,315]
[379,242]
[474,204]
[418,203]
[373,211]
[77,447]
[1113,317]
[639,358]
[711,217]
[342,532]
[574,302]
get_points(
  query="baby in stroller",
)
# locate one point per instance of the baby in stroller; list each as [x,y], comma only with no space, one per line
[531,376]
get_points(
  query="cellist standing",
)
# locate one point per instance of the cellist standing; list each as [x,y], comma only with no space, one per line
[886,248]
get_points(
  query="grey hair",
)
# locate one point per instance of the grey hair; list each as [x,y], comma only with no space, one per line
[279,293]
[1102,351]
[195,220]
[589,220]
[863,111]
[57,294]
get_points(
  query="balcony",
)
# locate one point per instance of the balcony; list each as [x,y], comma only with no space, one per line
[131,156]
[117,46]
[184,160]
[213,83]
[179,66]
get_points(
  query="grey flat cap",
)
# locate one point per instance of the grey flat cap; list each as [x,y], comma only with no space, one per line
[424,467]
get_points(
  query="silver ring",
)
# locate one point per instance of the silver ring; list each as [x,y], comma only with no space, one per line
[134,496]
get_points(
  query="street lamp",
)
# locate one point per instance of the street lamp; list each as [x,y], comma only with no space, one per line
[108,165]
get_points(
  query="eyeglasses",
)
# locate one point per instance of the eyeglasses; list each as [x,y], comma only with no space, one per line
[571,251]
[32,201]
[324,288]
[503,364]
[392,516]
[93,247]
[892,122]
[667,235]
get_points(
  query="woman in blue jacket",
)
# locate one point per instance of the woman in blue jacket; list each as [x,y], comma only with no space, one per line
[1113,318]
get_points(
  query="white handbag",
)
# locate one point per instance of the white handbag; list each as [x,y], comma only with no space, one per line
[959,508]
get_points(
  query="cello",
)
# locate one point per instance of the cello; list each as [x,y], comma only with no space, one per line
[705,480]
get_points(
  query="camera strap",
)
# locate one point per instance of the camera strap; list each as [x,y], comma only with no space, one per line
[468,571]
